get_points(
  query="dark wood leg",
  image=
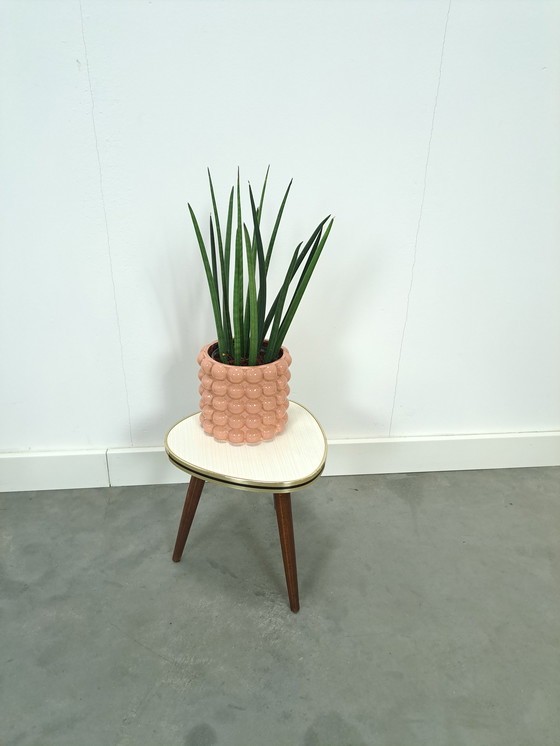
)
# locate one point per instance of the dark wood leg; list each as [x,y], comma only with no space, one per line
[283,505]
[189,509]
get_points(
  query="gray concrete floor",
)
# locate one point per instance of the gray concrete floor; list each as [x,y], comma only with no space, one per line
[430,615]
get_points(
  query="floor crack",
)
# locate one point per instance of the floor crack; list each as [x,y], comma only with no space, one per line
[133,639]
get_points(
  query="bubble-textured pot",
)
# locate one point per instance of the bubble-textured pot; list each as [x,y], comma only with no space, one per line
[242,403]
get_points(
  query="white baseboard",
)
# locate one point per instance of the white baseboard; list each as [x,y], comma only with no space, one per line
[137,466]
[131,466]
[60,470]
[443,453]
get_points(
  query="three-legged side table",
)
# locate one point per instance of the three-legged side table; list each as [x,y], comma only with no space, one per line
[292,461]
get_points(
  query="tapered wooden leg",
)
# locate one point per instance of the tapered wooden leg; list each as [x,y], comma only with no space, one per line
[189,509]
[283,505]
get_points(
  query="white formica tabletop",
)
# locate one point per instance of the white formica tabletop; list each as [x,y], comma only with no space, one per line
[291,461]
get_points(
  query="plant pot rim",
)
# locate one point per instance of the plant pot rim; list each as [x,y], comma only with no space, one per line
[208,347]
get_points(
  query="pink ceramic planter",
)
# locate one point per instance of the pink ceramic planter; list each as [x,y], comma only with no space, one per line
[243,404]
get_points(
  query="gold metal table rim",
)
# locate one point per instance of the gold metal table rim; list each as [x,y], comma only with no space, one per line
[243,484]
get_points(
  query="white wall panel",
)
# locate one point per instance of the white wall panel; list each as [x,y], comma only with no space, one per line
[103,304]
[61,379]
[481,352]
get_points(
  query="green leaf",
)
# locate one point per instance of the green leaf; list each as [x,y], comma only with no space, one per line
[261,303]
[225,275]
[224,268]
[211,284]
[262,193]
[302,285]
[301,258]
[216,216]
[277,225]
[253,323]
[238,286]
[213,255]
[272,348]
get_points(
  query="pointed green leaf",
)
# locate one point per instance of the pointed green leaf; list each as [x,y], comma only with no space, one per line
[211,284]
[238,286]
[225,276]
[301,258]
[216,216]
[224,269]
[262,193]
[262,266]
[252,298]
[213,254]
[302,285]
[272,348]
[277,225]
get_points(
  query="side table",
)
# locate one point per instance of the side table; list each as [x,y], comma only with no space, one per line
[292,461]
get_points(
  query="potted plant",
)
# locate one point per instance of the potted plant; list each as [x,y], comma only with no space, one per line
[244,374]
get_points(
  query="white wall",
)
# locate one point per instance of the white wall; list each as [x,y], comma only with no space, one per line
[430,131]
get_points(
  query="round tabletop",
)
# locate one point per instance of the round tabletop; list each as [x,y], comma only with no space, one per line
[292,460]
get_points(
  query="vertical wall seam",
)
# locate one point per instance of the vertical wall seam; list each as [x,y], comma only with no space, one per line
[104,207]
[107,467]
[419,222]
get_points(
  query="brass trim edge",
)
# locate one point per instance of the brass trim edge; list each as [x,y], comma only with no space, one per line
[271,487]
[244,484]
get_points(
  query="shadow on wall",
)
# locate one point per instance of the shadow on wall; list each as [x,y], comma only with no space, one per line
[342,323]
[181,295]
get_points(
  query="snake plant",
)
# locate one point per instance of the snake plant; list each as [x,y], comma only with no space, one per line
[248,333]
